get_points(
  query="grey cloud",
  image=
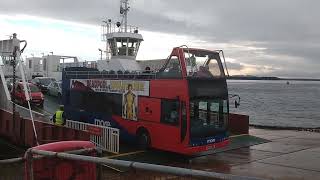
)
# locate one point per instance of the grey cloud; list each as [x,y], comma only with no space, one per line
[234,66]
[287,28]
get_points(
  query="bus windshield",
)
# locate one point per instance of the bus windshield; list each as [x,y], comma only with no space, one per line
[208,117]
[203,64]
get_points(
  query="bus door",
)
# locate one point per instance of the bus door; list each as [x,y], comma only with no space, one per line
[183,122]
[170,122]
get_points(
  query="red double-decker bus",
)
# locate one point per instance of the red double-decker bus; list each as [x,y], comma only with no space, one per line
[182,108]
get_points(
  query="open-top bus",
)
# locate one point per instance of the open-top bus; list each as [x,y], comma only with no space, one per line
[183,107]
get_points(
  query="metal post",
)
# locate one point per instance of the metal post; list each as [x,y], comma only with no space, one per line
[13,62]
[125,15]
[100,53]
[30,163]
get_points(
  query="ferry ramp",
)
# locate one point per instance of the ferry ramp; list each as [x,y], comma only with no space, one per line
[268,154]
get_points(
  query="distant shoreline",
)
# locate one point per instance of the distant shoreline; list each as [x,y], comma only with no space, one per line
[316,129]
[269,78]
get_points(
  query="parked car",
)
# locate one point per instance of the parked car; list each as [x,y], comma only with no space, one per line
[36,96]
[54,89]
[43,83]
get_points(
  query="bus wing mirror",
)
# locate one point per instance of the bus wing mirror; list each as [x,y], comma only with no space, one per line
[237,101]
[236,104]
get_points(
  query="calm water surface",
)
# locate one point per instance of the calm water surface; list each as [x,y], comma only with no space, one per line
[274,103]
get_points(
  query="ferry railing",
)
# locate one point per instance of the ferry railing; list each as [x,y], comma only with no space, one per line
[135,170]
[111,169]
[24,112]
[106,138]
[11,170]
[14,168]
[109,75]
[113,28]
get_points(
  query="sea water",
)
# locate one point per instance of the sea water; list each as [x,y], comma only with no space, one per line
[277,103]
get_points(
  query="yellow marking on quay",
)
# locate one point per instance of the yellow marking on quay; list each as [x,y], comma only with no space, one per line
[113,168]
[238,135]
[125,154]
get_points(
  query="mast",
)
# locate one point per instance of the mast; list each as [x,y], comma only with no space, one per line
[124,8]
[122,42]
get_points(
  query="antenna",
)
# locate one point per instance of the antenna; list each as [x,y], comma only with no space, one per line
[124,8]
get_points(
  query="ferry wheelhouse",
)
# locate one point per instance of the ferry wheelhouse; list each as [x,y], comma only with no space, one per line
[182,107]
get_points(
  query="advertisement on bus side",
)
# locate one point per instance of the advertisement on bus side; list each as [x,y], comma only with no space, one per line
[130,90]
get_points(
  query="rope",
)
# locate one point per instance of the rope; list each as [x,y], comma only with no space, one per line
[26,86]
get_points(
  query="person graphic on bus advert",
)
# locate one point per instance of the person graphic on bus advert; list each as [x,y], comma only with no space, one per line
[129,106]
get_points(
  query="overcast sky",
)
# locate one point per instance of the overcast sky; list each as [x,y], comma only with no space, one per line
[265,38]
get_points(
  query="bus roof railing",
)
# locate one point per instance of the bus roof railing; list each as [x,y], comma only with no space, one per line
[110,74]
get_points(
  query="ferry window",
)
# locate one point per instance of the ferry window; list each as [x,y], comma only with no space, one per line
[45,64]
[113,47]
[132,45]
[119,43]
[30,64]
[122,46]
[170,112]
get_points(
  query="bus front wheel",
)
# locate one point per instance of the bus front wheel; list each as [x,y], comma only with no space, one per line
[144,140]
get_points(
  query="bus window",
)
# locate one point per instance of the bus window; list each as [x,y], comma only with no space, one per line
[183,121]
[106,103]
[95,102]
[203,64]
[170,112]
[115,102]
[214,114]
[172,69]
[214,68]
[203,107]
[76,99]
[207,117]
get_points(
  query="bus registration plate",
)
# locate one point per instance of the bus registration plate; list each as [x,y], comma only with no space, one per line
[210,147]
